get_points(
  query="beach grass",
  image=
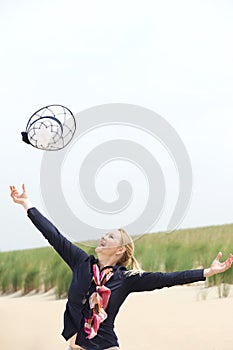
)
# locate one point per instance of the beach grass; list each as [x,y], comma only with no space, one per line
[42,269]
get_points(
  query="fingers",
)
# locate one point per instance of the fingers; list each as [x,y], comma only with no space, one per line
[14,191]
[227,263]
[219,255]
[12,188]
[229,260]
[24,188]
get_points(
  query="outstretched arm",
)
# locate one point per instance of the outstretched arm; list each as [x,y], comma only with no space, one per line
[147,281]
[217,266]
[70,253]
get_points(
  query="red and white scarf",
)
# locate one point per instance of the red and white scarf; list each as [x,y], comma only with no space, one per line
[98,301]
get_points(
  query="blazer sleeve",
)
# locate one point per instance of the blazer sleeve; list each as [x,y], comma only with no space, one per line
[147,281]
[70,253]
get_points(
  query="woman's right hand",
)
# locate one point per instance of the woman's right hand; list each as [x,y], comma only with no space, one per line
[22,198]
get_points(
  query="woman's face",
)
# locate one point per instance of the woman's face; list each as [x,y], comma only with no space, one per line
[110,242]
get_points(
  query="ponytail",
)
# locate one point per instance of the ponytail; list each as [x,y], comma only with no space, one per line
[134,265]
[128,259]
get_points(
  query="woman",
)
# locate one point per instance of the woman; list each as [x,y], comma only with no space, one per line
[99,286]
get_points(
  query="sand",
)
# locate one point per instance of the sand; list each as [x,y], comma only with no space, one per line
[178,318]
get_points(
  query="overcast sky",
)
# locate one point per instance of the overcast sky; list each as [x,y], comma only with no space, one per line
[174,57]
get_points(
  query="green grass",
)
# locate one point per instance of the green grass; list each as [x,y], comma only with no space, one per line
[42,269]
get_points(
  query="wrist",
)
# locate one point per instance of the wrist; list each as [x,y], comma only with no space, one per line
[207,272]
[27,205]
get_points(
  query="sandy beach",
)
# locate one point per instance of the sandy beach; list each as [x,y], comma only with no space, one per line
[178,318]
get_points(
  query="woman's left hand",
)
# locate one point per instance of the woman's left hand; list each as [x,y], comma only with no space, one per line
[217,266]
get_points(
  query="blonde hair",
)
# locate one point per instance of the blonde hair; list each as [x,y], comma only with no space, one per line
[128,259]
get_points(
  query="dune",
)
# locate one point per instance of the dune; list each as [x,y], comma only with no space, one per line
[178,318]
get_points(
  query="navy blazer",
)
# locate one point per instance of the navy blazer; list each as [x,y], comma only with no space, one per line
[82,286]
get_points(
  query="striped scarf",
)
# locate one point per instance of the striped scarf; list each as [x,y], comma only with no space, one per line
[98,301]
